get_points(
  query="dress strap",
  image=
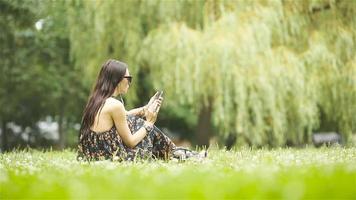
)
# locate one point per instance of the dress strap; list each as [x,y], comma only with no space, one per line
[121,99]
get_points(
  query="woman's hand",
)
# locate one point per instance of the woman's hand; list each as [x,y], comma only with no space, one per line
[151,100]
[153,105]
[150,113]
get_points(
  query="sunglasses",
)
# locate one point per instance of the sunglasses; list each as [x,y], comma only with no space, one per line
[129,78]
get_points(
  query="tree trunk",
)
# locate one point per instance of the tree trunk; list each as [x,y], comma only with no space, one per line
[230,140]
[204,128]
[3,136]
[61,129]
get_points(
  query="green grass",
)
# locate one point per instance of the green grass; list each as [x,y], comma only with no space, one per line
[243,173]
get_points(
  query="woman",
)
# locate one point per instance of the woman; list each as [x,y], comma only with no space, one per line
[108,131]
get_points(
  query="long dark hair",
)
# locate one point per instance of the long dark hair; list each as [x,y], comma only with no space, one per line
[111,73]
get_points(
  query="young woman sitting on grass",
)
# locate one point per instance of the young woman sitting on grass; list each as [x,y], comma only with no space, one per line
[108,131]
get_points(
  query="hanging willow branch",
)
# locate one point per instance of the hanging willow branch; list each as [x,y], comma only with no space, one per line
[268,69]
[268,79]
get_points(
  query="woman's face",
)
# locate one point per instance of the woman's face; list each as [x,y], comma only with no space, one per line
[124,84]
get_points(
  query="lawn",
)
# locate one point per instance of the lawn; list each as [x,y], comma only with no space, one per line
[242,173]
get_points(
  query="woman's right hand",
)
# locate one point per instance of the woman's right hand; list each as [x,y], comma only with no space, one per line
[151,115]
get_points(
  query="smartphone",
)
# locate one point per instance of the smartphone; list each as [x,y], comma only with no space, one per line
[160,94]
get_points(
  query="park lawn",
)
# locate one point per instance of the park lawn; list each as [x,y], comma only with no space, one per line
[242,173]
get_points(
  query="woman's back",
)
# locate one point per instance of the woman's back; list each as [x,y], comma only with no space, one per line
[103,120]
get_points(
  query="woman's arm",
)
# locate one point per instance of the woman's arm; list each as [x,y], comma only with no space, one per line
[142,110]
[118,115]
[137,111]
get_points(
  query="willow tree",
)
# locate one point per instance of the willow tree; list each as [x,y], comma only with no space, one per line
[264,71]
[116,29]
[261,70]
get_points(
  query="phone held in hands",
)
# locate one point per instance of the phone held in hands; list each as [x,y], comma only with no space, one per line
[158,95]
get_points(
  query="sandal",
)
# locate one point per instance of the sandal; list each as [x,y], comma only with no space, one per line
[182,154]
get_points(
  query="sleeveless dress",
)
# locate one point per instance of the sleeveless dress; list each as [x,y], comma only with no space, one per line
[95,146]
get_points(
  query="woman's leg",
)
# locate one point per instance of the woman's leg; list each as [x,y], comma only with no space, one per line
[162,145]
[143,149]
[156,142]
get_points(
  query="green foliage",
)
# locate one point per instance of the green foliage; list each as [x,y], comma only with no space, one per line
[273,71]
[244,173]
[37,78]
[107,29]
[268,68]
[17,39]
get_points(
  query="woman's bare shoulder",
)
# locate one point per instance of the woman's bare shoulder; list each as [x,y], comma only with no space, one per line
[114,104]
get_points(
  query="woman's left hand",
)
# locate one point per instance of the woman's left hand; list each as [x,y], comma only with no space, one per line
[155,102]
[151,100]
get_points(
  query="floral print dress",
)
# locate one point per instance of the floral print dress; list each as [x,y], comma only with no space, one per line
[95,146]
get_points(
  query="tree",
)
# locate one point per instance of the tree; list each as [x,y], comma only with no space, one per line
[265,79]
[66,86]
[109,29]
[19,92]
[263,71]
[37,76]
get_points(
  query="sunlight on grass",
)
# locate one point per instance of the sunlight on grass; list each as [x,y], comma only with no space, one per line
[278,173]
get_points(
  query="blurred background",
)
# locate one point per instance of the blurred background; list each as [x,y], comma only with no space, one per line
[261,73]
